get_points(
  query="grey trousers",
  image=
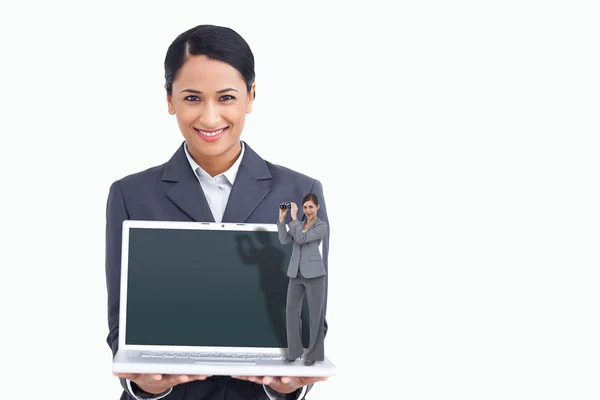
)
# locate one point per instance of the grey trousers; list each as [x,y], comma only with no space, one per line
[315,296]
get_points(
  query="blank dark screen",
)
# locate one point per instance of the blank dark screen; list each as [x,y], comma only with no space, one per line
[208,288]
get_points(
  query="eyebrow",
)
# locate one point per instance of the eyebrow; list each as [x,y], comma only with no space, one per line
[199,92]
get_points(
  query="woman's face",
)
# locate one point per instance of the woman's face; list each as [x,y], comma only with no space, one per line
[210,101]
[310,209]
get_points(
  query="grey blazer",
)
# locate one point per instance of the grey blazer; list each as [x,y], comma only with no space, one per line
[171,192]
[306,256]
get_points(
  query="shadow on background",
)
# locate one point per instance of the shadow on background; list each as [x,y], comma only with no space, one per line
[272,263]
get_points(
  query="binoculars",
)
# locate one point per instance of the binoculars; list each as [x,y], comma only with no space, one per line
[283,206]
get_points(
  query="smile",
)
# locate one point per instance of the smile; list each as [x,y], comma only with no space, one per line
[211,136]
[210,133]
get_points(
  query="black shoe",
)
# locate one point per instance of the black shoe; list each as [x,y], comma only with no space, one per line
[308,363]
[290,359]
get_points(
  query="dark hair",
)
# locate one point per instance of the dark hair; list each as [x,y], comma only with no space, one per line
[215,42]
[312,197]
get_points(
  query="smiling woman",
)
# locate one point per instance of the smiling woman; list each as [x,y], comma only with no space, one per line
[210,87]
[213,177]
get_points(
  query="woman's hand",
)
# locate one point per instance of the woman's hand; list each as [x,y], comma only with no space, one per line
[158,383]
[285,384]
[282,212]
[294,210]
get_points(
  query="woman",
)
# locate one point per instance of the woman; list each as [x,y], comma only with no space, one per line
[212,177]
[307,275]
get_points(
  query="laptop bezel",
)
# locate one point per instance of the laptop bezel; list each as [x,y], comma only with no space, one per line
[146,224]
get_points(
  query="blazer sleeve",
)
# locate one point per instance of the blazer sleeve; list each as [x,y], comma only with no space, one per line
[284,235]
[316,232]
[116,213]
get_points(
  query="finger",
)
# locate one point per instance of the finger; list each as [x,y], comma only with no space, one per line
[244,378]
[125,376]
[147,378]
[316,379]
[155,377]
[199,377]
[286,379]
[267,380]
[255,379]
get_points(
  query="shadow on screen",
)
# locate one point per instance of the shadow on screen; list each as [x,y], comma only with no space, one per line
[267,254]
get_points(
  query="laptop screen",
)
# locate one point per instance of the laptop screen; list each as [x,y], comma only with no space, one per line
[189,287]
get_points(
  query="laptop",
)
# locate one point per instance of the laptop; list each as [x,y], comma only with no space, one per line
[206,299]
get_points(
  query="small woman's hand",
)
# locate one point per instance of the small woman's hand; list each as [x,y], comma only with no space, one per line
[282,212]
[294,210]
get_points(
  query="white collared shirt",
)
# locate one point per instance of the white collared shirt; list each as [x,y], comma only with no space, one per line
[218,188]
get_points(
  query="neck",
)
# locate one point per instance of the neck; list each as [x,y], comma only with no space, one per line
[218,164]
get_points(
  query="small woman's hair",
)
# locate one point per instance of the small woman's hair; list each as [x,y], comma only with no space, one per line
[312,197]
[215,42]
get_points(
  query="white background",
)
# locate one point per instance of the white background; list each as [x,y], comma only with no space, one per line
[457,143]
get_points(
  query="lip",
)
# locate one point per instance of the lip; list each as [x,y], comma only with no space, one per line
[213,138]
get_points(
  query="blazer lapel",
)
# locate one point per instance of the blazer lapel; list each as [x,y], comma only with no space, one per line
[252,183]
[313,224]
[186,193]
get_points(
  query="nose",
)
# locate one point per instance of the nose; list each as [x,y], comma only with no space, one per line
[211,115]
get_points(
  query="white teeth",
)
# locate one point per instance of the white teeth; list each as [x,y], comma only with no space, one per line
[210,133]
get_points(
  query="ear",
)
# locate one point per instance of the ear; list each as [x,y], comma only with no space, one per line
[251,98]
[170,103]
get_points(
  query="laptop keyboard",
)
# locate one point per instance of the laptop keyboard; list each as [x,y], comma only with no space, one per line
[213,356]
